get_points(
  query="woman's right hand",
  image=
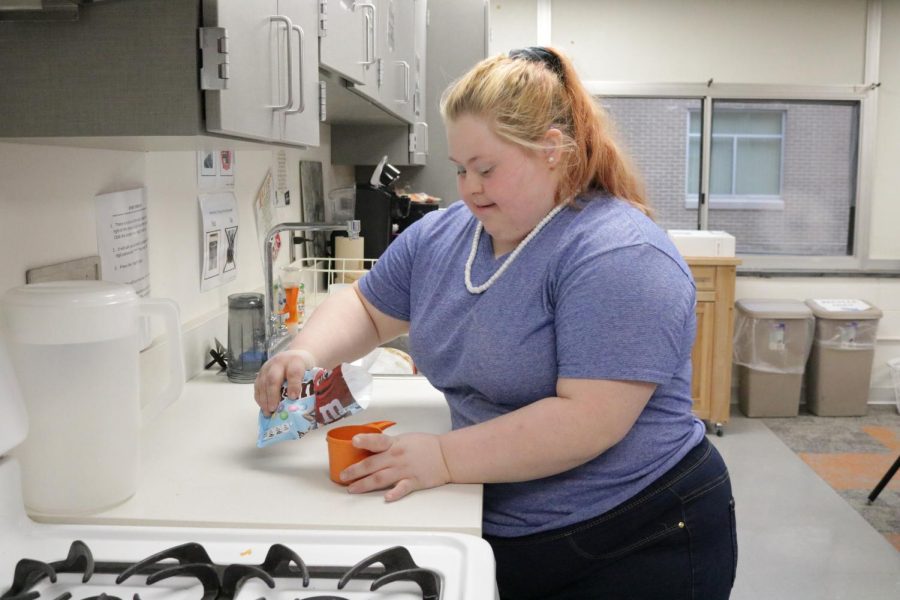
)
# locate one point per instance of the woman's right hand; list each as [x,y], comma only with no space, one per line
[288,365]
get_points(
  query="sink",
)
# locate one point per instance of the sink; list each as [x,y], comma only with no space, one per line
[390,364]
[400,343]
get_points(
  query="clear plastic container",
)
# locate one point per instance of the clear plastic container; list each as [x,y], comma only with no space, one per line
[74,347]
[341,204]
[246,337]
[894,366]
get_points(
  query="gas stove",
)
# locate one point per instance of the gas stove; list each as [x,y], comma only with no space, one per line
[187,571]
[83,561]
[67,561]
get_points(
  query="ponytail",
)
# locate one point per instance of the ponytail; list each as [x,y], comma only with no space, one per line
[527,92]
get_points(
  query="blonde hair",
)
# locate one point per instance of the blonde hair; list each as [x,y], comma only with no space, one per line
[525,95]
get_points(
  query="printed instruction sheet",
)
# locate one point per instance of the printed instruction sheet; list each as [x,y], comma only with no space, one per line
[219,239]
[122,238]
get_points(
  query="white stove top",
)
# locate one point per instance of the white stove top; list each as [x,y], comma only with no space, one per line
[461,565]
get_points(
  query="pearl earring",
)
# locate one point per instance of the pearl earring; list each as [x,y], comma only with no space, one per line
[550,160]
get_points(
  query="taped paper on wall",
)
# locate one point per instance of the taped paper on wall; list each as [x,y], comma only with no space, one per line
[122,238]
[215,169]
[219,239]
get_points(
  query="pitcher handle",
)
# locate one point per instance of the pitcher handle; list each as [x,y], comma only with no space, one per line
[168,311]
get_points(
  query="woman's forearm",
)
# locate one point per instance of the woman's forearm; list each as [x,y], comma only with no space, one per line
[547,437]
[343,329]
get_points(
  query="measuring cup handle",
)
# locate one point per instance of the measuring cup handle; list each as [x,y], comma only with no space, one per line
[381,425]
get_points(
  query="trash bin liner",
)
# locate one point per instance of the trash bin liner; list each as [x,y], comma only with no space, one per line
[772,341]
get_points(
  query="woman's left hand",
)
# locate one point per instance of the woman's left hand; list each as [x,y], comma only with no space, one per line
[405,463]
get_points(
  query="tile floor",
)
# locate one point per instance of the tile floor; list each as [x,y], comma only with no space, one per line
[798,539]
[852,454]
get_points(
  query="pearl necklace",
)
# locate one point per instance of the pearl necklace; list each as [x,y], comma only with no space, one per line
[473,289]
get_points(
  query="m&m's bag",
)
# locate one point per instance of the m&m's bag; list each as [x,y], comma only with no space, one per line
[326,396]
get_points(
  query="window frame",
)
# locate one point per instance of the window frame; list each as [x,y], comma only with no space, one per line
[708,92]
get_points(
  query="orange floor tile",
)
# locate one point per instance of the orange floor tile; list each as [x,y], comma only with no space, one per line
[852,471]
[885,435]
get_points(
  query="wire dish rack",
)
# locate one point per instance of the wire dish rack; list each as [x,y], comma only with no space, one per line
[321,276]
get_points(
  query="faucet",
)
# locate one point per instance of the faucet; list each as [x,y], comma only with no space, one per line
[352,229]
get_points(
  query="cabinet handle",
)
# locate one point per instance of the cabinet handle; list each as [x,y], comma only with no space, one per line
[371,23]
[302,107]
[405,65]
[290,77]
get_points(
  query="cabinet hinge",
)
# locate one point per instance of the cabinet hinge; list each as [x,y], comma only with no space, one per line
[380,76]
[322,101]
[323,18]
[214,67]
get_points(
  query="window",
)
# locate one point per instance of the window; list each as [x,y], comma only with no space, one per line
[652,131]
[782,172]
[745,157]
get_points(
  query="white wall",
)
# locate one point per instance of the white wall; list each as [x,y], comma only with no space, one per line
[761,42]
[47,207]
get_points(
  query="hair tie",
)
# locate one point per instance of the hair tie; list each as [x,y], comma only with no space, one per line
[541,55]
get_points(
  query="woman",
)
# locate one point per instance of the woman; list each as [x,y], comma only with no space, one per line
[558,321]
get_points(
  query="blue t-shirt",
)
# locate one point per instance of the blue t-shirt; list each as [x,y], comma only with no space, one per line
[599,293]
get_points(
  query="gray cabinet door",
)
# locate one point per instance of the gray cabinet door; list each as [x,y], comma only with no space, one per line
[299,124]
[399,22]
[418,71]
[347,43]
[373,71]
[247,106]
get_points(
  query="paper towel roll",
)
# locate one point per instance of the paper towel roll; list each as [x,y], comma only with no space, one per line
[349,255]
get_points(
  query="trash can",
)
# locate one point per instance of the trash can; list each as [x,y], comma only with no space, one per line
[772,338]
[840,365]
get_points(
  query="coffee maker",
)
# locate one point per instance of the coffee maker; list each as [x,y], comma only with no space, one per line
[383,213]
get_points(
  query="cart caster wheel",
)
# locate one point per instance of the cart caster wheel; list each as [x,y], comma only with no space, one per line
[719,430]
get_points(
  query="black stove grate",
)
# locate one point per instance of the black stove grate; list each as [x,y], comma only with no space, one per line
[222,582]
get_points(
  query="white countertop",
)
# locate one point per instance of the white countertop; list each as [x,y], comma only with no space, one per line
[201,467]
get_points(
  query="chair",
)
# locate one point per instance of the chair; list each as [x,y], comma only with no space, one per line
[884,480]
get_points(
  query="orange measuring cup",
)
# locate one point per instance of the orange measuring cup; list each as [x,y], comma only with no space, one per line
[341,451]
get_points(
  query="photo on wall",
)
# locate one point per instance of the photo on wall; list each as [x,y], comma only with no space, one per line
[230,238]
[312,206]
[212,253]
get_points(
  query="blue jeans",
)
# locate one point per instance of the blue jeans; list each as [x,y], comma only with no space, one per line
[674,540]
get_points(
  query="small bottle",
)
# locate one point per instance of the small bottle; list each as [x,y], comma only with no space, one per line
[301,303]
[290,278]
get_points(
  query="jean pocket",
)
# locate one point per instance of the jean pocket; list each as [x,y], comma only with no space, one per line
[624,536]
[734,541]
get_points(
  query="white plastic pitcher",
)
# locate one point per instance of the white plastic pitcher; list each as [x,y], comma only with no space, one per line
[74,346]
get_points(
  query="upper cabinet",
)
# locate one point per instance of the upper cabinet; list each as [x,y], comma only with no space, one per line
[383,73]
[346,44]
[151,70]
[260,70]
[399,56]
